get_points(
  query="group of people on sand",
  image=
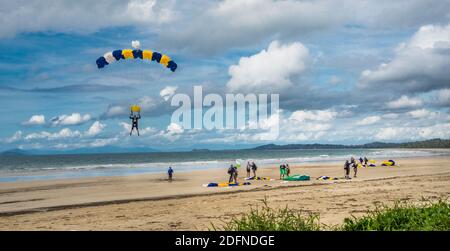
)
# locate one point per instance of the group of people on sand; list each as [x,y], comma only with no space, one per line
[285,170]
[233,171]
[352,164]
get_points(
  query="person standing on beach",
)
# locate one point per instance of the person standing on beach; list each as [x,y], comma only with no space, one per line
[170,173]
[232,171]
[365,161]
[347,169]
[355,169]
[254,168]
[282,171]
[249,166]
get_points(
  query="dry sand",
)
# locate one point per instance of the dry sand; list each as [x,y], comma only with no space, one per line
[150,202]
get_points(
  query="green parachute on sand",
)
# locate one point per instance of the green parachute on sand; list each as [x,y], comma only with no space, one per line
[297,177]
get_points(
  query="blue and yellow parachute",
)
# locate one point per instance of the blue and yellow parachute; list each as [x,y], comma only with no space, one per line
[117,55]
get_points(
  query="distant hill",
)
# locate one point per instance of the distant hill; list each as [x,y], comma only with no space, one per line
[96,150]
[432,143]
[15,152]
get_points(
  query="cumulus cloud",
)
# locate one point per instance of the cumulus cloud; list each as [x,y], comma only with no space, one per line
[174,128]
[414,133]
[270,69]
[66,133]
[168,92]
[115,111]
[389,133]
[68,120]
[404,102]
[237,23]
[16,137]
[369,120]
[254,21]
[35,120]
[316,115]
[63,133]
[419,65]
[96,128]
[81,16]
[422,113]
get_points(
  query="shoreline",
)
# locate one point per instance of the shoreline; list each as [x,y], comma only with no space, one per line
[132,169]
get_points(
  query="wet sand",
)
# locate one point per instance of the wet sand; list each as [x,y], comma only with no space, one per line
[150,202]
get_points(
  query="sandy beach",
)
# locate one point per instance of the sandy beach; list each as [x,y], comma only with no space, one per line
[150,202]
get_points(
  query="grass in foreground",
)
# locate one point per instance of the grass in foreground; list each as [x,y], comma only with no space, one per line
[403,217]
[433,216]
[269,219]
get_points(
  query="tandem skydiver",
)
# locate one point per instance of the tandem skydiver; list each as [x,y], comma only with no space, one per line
[134,122]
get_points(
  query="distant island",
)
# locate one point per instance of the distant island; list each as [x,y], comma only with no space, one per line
[432,143]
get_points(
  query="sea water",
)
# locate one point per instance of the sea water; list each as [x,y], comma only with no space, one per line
[47,167]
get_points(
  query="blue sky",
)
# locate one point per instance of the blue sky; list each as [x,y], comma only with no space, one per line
[347,72]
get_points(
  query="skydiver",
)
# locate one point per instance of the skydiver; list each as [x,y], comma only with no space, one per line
[134,122]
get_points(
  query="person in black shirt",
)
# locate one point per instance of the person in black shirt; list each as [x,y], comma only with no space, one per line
[347,169]
[134,122]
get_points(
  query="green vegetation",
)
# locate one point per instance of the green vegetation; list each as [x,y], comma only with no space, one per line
[432,143]
[402,216]
[269,219]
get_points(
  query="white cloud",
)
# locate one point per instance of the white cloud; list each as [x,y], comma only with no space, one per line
[234,23]
[270,69]
[168,92]
[103,142]
[422,113]
[16,137]
[35,120]
[390,116]
[389,133]
[95,129]
[404,102]
[414,133]
[240,23]
[174,128]
[369,120]
[63,133]
[116,110]
[419,65]
[315,115]
[82,16]
[73,119]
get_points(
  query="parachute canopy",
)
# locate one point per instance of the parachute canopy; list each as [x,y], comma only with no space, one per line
[117,55]
[135,108]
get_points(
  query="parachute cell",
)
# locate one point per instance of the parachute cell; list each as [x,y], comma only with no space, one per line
[135,108]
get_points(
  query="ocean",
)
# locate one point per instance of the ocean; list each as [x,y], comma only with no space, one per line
[48,167]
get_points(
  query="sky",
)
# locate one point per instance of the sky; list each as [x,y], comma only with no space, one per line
[347,72]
